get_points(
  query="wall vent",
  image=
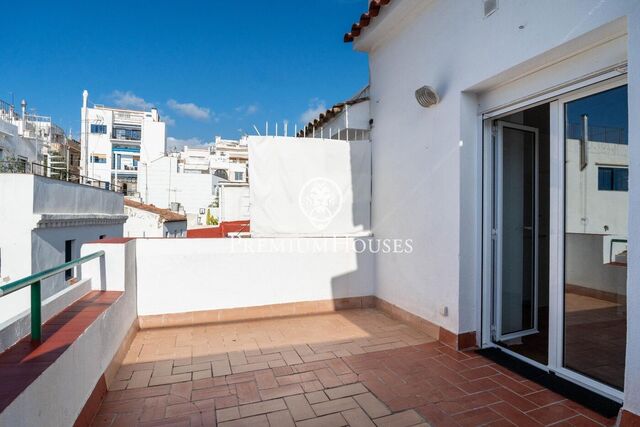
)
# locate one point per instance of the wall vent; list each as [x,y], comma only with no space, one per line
[490,6]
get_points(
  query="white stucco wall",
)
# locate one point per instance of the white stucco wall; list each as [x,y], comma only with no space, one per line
[154,139]
[234,203]
[160,183]
[26,248]
[13,146]
[183,275]
[141,223]
[436,199]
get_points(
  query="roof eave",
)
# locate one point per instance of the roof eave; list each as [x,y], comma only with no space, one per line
[392,19]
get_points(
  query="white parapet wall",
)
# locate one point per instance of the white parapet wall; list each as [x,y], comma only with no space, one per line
[59,394]
[187,275]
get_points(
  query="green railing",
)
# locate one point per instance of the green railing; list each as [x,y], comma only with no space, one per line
[36,296]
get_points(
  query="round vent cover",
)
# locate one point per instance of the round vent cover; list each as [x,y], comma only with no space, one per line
[427,96]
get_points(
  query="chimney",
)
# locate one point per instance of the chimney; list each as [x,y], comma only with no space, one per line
[23,104]
[85,98]
[154,114]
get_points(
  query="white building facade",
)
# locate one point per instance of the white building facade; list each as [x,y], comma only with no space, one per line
[150,221]
[226,159]
[26,139]
[493,180]
[114,141]
[43,223]
[162,184]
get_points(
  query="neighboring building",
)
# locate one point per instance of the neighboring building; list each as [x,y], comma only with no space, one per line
[520,223]
[162,184]
[349,120]
[225,158]
[194,160]
[114,141]
[231,150]
[26,139]
[191,180]
[43,223]
[15,151]
[231,202]
[64,159]
[150,221]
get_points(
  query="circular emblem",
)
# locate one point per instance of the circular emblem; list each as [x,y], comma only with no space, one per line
[320,200]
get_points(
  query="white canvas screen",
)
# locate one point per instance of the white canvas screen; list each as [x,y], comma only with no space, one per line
[309,187]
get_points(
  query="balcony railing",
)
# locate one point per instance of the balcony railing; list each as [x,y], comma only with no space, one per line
[33,282]
[21,166]
[124,116]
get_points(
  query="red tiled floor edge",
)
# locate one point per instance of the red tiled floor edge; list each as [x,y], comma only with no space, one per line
[464,341]
[23,363]
[92,405]
[629,419]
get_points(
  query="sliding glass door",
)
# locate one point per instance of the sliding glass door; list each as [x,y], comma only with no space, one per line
[556,232]
[595,235]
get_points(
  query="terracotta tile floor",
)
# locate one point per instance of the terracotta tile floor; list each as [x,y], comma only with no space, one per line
[355,367]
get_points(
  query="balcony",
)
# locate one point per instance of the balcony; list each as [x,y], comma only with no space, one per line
[282,336]
[123,134]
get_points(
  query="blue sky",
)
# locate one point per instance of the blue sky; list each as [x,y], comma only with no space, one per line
[211,67]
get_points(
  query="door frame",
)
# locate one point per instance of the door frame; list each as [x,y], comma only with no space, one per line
[556,100]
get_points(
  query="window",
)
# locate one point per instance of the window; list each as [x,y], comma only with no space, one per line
[68,256]
[613,179]
[127,134]
[239,176]
[98,158]
[22,164]
[98,128]
[102,236]
[1,154]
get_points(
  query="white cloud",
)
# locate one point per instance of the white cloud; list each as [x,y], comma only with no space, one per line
[247,110]
[189,109]
[316,107]
[129,99]
[167,119]
[179,143]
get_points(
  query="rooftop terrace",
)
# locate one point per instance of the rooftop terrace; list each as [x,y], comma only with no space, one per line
[352,367]
[131,349]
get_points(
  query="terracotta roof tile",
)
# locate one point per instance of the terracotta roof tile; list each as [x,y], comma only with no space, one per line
[332,112]
[166,214]
[365,19]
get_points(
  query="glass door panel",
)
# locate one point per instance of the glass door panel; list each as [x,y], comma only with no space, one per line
[516,230]
[595,239]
